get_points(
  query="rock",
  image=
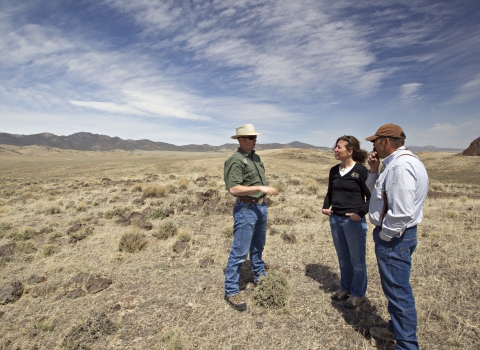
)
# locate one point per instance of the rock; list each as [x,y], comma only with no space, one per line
[289,237]
[34,279]
[180,246]
[76,293]
[11,292]
[169,212]
[473,149]
[138,201]
[143,224]
[205,262]
[95,285]
[75,228]
[8,249]
[79,280]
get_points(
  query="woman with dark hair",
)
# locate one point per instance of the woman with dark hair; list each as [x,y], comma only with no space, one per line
[347,203]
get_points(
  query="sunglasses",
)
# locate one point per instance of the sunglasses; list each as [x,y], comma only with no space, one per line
[251,137]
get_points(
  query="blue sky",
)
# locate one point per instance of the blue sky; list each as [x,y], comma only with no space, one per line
[191,71]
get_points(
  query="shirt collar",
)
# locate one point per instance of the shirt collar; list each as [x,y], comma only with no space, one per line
[244,153]
[391,157]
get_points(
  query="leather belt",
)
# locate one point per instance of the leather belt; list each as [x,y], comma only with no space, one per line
[251,200]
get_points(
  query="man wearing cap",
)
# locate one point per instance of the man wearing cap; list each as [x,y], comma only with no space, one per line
[244,175]
[396,207]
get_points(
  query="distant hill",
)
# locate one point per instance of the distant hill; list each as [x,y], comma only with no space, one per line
[473,149]
[417,149]
[85,141]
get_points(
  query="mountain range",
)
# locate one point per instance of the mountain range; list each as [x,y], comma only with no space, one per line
[85,141]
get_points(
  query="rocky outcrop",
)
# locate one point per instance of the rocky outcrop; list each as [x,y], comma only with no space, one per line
[473,149]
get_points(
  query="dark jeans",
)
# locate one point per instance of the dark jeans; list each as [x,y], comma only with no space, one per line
[394,260]
[249,235]
[350,239]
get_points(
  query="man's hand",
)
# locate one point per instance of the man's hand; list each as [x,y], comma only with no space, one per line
[268,190]
[373,162]
[353,216]
[327,212]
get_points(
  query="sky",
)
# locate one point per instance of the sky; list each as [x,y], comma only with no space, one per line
[191,71]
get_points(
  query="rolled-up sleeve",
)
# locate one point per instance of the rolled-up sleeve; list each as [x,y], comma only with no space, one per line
[233,173]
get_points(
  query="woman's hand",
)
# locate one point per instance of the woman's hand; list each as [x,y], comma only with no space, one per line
[327,212]
[353,216]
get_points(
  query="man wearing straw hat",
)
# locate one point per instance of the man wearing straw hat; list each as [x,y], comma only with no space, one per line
[244,175]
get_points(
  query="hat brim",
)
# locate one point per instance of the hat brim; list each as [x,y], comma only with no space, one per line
[372,138]
[246,135]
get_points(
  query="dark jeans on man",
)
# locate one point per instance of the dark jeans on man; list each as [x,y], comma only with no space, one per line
[249,236]
[394,260]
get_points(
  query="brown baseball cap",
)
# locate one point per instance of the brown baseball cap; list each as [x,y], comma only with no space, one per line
[388,130]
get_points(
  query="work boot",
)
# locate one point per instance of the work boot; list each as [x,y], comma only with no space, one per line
[339,294]
[237,302]
[353,302]
[381,333]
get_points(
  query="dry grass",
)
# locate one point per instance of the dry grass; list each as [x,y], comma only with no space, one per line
[161,299]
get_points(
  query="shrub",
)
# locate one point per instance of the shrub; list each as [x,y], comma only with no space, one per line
[132,241]
[272,291]
[5,226]
[110,214]
[136,188]
[81,206]
[280,186]
[83,336]
[228,232]
[312,186]
[49,249]
[184,236]
[172,188]
[183,183]
[451,214]
[158,214]
[81,234]
[26,234]
[26,247]
[53,210]
[154,191]
[167,230]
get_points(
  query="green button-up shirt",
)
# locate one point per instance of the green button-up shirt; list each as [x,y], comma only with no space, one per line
[244,169]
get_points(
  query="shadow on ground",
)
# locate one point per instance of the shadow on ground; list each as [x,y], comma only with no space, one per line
[360,319]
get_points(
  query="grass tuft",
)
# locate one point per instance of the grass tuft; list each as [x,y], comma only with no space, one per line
[167,230]
[132,241]
[154,191]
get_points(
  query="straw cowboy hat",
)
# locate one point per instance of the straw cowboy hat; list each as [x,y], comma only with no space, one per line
[245,130]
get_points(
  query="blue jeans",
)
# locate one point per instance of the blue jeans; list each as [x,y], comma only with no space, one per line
[394,260]
[249,235]
[350,240]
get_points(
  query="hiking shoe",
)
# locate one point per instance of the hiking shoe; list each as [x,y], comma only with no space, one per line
[339,294]
[381,333]
[352,302]
[237,302]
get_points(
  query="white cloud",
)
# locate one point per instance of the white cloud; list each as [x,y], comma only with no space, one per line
[109,107]
[409,92]
[468,91]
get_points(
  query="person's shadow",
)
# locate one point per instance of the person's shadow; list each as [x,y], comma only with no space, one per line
[362,318]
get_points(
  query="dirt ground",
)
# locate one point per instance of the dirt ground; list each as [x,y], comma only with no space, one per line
[68,280]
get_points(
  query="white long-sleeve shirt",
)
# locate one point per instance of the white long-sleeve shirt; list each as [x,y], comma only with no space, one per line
[405,180]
